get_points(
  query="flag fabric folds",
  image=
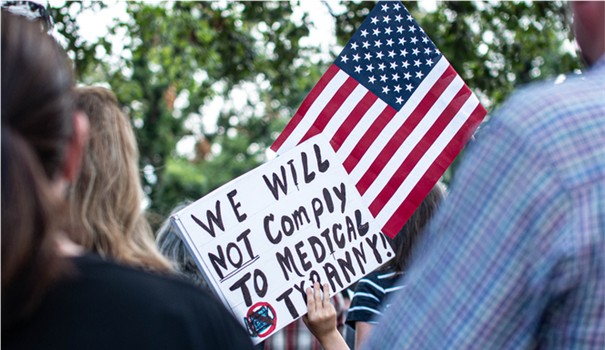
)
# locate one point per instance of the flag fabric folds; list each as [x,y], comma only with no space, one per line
[394,110]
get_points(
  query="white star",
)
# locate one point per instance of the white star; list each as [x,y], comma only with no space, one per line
[419,74]
[429,62]
[393,65]
[374,20]
[416,63]
[368,56]
[402,41]
[389,42]
[414,40]
[397,88]
[383,78]
[425,39]
[365,44]
[354,46]
[412,29]
[369,67]
[386,19]
[388,31]
[391,54]
[364,33]
[399,99]
[427,50]
[381,66]
[371,79]
[395,77]
[355,57]
[410,18]
[385,90]
[378,43]
[344,58]
[405,64]
[400,30]
[385,7]
[407,75]
[375,31]
[379,55]
[398,18]
[415,51]
[409,87]
[403,52]
[357,69]
[396,7]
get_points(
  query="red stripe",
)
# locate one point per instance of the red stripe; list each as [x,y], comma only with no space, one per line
[352,119]
[434,172]
[304,107]
[401,134]
[331,107]
[368,138]
[419,150]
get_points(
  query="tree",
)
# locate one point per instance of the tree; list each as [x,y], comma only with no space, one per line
[178,58]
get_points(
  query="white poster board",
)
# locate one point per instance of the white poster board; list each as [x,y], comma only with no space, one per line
[261,239]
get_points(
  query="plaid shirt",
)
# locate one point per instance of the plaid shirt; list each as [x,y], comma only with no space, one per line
[515,257]
[296,335]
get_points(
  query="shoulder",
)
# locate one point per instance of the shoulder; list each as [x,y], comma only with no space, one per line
[378,282]
[561,125]
[552,109]
[131,282]
[130,306]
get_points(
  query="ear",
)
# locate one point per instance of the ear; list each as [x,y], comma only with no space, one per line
[76,147]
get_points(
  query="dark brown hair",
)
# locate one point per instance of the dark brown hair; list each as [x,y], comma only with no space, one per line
[37,112]
[405,240]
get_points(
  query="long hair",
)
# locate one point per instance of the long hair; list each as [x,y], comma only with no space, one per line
[37,123]
[105,200]
[404,242]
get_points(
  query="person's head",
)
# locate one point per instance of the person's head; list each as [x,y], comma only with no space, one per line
[404,242]
[35,11]
[171,245]
[589,28]
[106,198]
[42,143]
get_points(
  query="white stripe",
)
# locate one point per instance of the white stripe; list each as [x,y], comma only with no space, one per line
[412,140]
[398,119]
[388,275]
[364,123]
[393,289]
[365,308]
[343,111]
[366,295]
[377,287]
[427,160]
[313,112]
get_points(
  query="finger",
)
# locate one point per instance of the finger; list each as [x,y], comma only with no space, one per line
[317,288]
[326,296]
[310,301]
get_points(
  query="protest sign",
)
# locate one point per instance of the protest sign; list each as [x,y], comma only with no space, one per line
[263,238]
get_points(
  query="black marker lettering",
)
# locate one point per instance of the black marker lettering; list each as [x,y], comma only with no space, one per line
[241,284]
[213,219]
[277,182]
[235,206]
[286,297]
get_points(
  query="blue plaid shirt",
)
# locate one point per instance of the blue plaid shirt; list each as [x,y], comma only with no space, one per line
[515,257]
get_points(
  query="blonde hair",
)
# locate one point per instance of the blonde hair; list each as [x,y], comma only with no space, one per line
[105,201]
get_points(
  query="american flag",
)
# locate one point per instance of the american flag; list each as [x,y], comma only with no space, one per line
[394,110]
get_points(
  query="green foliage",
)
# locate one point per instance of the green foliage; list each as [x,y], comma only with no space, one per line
[177,58]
